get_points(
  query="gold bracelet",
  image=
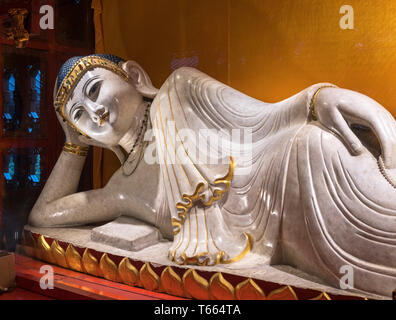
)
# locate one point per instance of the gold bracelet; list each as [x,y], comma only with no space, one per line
[75,149]
[313,100]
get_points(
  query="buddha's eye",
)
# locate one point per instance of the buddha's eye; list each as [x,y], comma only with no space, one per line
[77,114]
[93,92]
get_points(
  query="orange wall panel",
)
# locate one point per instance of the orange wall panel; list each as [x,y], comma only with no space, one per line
[269,49]
[277,48]
[160,33]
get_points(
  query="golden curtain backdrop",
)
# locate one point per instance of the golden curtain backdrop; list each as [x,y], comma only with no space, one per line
[268,49]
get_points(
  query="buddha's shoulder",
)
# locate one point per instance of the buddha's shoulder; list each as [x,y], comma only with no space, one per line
[187,73]
[186,76]
[187,81]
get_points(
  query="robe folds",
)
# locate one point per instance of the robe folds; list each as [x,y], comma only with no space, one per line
[242,175]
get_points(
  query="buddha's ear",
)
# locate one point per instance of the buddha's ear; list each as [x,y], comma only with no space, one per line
[140,79]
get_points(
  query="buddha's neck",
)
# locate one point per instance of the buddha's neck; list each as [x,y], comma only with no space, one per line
[129,139]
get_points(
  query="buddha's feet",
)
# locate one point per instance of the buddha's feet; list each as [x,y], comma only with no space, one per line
[203,239]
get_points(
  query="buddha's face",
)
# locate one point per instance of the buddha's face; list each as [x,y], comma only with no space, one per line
[102,106]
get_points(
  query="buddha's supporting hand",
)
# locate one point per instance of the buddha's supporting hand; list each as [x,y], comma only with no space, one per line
[63,181]
[337,109]
[116,149]
[72,136]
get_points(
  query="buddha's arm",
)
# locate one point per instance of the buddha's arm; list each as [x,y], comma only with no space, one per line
[60,205]
[296,109]
[337,109]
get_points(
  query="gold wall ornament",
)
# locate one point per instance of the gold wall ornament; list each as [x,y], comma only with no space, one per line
[171,283]
[73,259]
[149,278]
[91,264]
[109,268]
[249,290]
[17,31]
[195,285]
[58,254]
[45,250]
[128,273]
[283,293]
[220,288]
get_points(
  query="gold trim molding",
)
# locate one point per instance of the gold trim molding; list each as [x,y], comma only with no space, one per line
[181,282]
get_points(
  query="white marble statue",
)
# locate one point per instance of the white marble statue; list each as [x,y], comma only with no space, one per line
[312,182]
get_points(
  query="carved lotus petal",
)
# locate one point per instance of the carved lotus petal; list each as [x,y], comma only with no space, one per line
[283,293]
[91,264]
[149,278]
[108,268]
[171,282]
[322,296]
[220,288]
[45,250]
[58,254]
[73,259]
[195,285]
[128,273]
[249,290]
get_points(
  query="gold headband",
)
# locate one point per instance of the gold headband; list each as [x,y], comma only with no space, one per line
[75,74]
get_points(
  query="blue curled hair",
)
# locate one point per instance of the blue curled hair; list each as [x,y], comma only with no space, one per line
[68,65]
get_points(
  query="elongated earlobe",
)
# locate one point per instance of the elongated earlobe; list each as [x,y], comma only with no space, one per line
[140,79]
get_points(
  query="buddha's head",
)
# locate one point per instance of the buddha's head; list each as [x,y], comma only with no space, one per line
[98,95]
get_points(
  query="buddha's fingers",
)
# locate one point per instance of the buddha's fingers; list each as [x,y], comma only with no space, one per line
[380,122]
[342,129]
[384,127]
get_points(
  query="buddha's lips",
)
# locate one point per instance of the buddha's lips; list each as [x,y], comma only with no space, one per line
[103,118]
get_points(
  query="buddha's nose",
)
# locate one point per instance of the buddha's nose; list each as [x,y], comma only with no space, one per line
[100,115]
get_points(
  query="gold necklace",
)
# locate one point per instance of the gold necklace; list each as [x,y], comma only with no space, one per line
[384,172]
[136,154]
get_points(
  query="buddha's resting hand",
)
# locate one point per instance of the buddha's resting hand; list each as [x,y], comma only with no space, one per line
[337,109]
[71,134]
[76,138]
[116,149]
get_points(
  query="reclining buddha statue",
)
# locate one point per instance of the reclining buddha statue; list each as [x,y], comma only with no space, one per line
[308,182]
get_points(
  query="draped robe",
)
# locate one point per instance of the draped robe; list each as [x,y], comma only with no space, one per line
[291,192]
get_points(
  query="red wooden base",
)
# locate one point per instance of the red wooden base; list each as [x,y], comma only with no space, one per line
[21,294]
[71,285]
